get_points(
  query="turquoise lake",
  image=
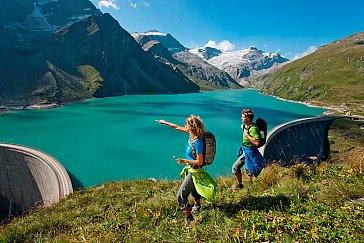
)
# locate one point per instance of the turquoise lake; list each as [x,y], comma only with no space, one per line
[116,138]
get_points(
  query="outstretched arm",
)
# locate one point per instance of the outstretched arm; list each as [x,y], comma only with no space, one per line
[198,161]
[172,125]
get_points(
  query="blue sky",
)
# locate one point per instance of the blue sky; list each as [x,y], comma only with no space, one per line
[288,27]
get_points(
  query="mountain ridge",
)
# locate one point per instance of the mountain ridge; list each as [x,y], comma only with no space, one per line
[94,57]
[246,64]
[91,57]
[193,67]
[332,76]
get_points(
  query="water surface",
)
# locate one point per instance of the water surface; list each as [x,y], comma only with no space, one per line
[116,138]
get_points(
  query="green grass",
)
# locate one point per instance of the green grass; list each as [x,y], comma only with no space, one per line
[301,203]
[331,76]
[92,77]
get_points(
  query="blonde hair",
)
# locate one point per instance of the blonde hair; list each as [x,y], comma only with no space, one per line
[194,124]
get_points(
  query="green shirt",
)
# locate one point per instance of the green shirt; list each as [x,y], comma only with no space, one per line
[254,132]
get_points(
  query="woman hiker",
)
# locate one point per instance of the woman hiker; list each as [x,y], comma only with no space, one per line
[194,159]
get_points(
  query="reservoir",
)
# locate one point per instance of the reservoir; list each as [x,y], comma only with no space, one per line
[117,138]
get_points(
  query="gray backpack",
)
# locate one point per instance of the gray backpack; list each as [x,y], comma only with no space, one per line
[209,148]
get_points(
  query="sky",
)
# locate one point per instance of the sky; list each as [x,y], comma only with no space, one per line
[291,27]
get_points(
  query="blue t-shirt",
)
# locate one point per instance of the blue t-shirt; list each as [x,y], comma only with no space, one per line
[198,146]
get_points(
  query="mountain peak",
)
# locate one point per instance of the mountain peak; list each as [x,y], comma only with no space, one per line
[167,40]
[253,48]
[154,32]
[206,53]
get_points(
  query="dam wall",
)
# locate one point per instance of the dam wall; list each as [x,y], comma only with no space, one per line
[29,178]
[299,140]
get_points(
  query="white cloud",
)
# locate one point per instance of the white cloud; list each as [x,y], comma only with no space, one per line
[146,4]
[133,5]
[108,3]
[224,45]
[309,50]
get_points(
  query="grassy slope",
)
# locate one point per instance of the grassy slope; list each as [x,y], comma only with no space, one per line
[333,75]
[92,76]
[303,203]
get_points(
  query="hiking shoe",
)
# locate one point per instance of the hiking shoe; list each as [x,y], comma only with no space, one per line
[237,186]
[196,209]
[188,220]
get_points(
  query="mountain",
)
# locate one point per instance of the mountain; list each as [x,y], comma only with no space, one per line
[91,57]
[167,40]
[25,23]
[206,53]
[203,74]
[331,76]
[193,67]
[154,47]
[243,65]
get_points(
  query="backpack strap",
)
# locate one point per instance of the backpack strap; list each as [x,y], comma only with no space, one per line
[193,148]
[203,150]
[252,125]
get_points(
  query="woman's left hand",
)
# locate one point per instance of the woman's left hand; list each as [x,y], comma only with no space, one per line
[181,161]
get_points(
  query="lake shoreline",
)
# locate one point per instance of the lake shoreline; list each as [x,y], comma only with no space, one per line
[330,109]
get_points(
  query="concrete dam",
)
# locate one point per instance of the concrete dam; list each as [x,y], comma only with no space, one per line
[29,178]
[299,140]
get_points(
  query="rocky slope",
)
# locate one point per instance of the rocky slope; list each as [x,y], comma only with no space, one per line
[193,67]
[331,76]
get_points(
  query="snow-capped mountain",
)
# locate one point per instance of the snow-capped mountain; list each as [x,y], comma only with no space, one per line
[242,64]
[168,50]
[206,53]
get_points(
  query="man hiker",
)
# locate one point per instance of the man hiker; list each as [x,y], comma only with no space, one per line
[249,155]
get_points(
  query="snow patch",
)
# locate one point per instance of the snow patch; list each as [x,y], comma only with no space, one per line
[80,17]
[36,21]
[173,49]
[270,54]
[43,2]
[197,51]
[154,33]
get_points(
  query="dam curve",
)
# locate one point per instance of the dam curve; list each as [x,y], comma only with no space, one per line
[29,178]
[299,140]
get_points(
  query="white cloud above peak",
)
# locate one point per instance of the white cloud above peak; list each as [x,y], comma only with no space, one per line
[108,3]
[224,45]
[133,5]
[309,50]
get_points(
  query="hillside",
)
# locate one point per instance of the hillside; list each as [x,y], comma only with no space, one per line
[331,76]
[56,52]
[301,204]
